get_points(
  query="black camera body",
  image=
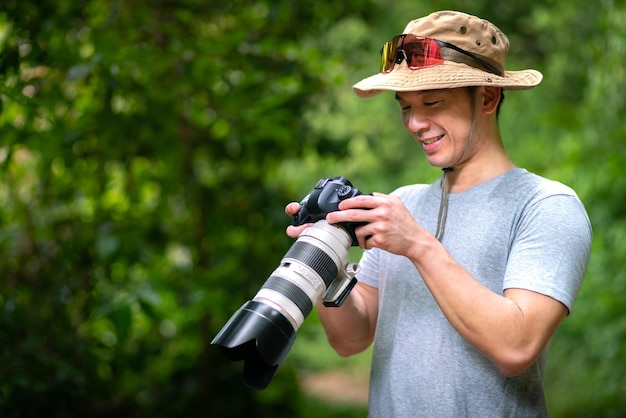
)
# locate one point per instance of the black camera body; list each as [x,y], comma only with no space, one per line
[316,267]
[324,199]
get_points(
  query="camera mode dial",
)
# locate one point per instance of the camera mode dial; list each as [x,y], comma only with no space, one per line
[344,192]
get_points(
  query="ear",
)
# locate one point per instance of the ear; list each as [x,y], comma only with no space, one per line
[491,98]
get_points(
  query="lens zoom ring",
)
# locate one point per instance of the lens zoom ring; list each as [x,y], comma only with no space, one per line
[291,292]
[315,258]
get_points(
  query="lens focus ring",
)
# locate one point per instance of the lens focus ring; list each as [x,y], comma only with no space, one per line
[291,291]
[315,258]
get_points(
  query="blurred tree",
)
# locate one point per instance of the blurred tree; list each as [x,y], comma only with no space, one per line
[584,112]
[140,147]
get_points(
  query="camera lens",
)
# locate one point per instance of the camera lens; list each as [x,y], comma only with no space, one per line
[263,330]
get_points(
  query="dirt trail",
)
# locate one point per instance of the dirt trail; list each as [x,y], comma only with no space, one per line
[336,386]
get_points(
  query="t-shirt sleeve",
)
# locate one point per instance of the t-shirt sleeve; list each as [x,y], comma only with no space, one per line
[550,252]
[369,273]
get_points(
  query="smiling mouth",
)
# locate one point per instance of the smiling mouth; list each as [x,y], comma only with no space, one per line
[431,140]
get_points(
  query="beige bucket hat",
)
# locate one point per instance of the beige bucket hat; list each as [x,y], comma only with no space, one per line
[470,33]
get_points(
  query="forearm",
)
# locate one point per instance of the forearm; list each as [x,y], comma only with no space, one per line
[507,329]
[350,327]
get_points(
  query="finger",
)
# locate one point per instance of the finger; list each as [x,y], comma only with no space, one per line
[364,201]
[292,208]
[365,242]
[349,215]
[358,202]
[295,231]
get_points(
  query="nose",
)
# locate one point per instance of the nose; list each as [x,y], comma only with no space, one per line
[414,122]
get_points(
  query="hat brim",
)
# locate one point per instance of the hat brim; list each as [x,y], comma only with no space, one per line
[443,76]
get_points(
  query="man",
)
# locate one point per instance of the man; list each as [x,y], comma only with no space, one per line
[465,280]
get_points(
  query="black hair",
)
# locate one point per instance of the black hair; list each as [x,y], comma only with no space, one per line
[500,103]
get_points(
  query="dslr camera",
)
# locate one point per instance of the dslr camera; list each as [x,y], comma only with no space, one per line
[263,330]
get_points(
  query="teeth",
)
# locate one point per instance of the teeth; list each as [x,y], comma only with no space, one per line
[432,140]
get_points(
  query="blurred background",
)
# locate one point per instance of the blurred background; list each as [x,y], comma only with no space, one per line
[147,151]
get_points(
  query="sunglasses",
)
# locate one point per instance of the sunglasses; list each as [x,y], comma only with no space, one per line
[420,52]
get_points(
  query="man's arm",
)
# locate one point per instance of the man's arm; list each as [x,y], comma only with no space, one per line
[511,329]
[350,328]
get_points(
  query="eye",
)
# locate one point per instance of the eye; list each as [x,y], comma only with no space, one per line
[432,103]
[404,106]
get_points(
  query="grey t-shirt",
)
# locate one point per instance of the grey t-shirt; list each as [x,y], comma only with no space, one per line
[518,230]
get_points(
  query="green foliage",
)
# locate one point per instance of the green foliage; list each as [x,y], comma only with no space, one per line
[147,150]
[141,196]
[592,154]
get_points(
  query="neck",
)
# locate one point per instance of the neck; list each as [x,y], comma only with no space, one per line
[492,163]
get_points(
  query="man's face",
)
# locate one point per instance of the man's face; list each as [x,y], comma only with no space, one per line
[440,121]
